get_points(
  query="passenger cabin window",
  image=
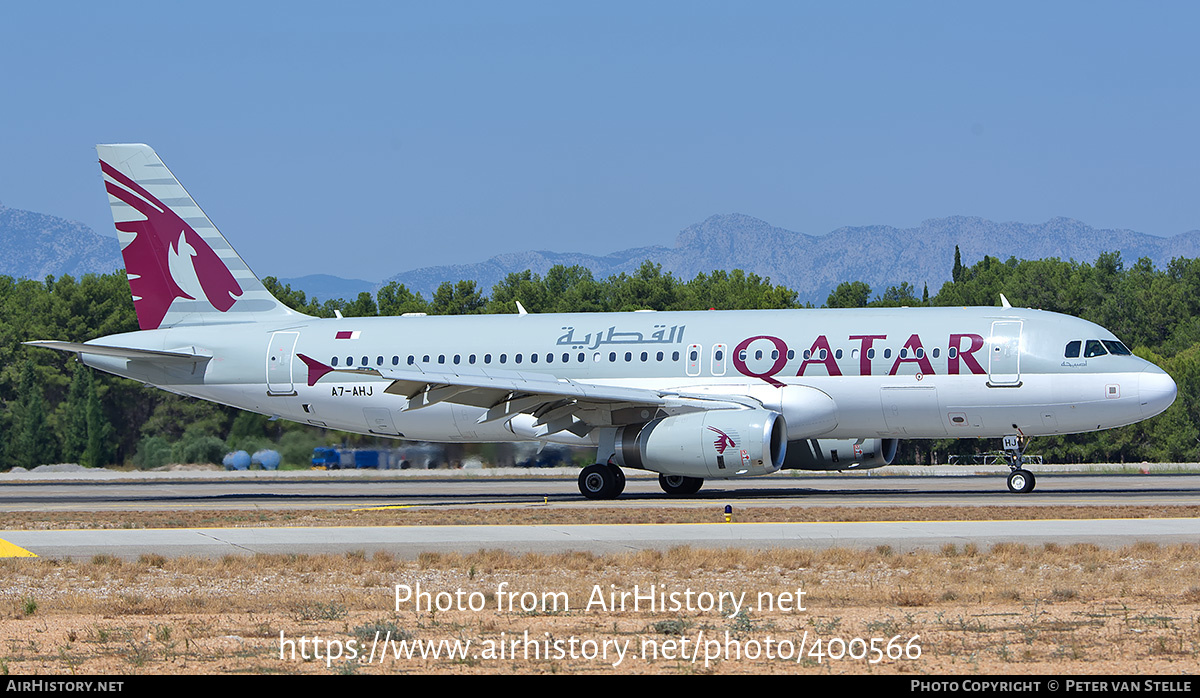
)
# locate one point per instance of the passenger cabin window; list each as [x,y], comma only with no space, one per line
[1072,351]
[1093,348]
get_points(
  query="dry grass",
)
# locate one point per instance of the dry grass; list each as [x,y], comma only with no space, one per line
[1010,609]
[571,514]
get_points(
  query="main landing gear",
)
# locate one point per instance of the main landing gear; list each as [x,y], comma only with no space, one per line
[601,481]
[1020,480]
[607,481]
[679,484]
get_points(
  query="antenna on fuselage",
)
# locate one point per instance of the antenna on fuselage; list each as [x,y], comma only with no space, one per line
[1004,302]
[521,309]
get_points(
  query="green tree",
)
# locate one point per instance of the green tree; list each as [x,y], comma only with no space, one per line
[363,306]
[647,289]
[99,451]
[73,415]
[396,299]
[849,294]
[525,287]
[734,290]
[461,298]
[33,443]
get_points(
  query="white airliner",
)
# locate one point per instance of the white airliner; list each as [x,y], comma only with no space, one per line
[688,395]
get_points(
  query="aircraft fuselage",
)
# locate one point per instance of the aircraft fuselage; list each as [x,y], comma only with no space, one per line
[898,372]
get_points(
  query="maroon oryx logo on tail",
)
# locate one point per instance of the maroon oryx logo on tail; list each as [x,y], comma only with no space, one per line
[723,441]
[164,246]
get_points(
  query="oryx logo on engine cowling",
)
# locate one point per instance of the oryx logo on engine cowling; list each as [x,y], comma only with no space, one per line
[723,441]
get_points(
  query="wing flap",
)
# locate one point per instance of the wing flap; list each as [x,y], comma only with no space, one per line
[559,404]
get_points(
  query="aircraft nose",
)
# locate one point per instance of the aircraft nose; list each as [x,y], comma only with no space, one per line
[1156,391]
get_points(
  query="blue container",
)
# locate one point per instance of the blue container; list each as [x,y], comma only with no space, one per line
[267,459]
[366,459]
[238,460]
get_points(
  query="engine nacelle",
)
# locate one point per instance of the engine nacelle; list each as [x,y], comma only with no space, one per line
[840,454]
[709,444]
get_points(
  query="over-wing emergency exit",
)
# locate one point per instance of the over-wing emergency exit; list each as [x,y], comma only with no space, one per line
[688,395]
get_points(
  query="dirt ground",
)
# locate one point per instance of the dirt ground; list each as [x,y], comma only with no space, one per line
[1007,610]
[535,515]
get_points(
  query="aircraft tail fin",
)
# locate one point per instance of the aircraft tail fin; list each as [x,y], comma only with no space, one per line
[181,269]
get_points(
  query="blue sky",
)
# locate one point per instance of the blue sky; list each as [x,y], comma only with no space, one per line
[363,139]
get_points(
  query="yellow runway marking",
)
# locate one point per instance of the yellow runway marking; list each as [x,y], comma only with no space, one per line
[9,550]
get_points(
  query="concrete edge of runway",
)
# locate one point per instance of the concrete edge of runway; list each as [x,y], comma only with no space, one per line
[410,541]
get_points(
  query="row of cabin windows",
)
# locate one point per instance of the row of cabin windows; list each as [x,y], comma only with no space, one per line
[822,355]
[516,358]
[1095,347]
[644,356]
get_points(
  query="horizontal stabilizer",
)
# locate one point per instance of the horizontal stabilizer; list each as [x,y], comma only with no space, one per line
[121,352]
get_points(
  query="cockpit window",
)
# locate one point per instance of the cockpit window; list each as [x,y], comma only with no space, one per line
[1116,348]
[1093,348]
[1073,348]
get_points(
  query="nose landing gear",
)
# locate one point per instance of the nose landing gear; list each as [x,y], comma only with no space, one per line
[1020,480]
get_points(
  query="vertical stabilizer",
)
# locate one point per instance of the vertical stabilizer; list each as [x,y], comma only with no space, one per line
[181,269]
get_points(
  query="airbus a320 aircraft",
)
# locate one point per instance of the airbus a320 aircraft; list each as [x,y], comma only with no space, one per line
[688,395]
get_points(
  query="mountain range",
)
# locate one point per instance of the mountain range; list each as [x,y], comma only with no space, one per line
[36,245]
[813,265]
[33,245]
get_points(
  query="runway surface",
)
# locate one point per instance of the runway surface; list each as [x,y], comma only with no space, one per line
[409,541]
[346,492]
[350,492]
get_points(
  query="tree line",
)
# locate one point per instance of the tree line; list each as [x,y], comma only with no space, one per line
[52,409]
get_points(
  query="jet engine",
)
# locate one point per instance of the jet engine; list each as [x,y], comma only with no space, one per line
[840,454]
[709,444]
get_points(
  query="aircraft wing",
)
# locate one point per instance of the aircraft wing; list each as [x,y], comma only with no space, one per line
[558,404]
[121,352]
